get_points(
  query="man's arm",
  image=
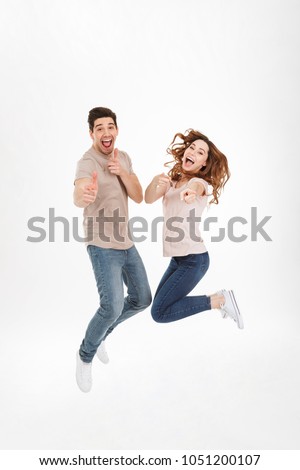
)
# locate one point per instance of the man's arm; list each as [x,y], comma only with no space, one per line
[85,191]
[130,181]
[133,187]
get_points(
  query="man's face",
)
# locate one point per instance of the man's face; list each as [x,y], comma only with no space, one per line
[104,135]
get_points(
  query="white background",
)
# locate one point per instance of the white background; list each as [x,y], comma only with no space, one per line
[227,68]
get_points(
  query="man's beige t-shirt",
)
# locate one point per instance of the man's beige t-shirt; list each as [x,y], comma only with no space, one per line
[106,220]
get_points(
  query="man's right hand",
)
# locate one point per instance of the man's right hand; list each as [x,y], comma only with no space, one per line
[90,190]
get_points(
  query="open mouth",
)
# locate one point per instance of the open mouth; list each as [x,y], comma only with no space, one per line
[106,143]
[189,161]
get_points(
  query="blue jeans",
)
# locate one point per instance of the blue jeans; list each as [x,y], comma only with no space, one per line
[183,274]
[112,268]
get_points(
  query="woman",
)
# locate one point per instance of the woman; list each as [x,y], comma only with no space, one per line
[198,164]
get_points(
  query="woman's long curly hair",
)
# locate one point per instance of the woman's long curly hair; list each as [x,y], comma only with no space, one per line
[216,172]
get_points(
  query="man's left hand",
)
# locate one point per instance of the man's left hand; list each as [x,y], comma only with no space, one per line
[114,165]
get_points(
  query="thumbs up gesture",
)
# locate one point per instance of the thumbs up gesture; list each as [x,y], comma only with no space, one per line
[90,190]
[114,165]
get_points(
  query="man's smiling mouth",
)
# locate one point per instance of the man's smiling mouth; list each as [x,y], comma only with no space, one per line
[106,142]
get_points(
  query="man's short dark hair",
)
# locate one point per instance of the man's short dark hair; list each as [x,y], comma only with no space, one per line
[97,113]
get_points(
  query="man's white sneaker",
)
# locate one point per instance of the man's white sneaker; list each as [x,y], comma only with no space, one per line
[230,308]
[102,354]
[83,374]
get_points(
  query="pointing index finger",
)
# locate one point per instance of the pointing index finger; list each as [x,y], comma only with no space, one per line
[116,154]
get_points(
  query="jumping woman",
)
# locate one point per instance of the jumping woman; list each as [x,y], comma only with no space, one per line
[198,166]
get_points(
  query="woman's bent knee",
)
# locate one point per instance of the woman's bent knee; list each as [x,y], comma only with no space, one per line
[157,315]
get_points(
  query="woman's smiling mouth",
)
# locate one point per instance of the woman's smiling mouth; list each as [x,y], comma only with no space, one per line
[188,161]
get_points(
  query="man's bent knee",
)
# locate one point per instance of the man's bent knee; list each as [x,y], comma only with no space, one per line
[144,300]
[110,312]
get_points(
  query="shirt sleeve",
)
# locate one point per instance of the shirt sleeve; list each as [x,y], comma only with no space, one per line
[200,180]
[85,168]
[128,163]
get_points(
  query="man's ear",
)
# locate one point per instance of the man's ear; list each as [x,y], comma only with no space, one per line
[91,135]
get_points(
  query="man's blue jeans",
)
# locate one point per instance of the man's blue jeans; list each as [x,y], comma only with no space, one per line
[171,302]
[112,268]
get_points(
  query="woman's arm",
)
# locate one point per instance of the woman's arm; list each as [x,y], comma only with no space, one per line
[157,188]
[194,189]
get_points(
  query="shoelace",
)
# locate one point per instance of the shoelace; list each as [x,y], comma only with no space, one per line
[223,311]
[225,314]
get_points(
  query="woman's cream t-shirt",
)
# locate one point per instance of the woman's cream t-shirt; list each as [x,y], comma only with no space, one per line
[181,234]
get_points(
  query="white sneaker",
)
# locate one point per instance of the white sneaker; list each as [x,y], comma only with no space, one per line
[102,353]
[230,308]
[83,374]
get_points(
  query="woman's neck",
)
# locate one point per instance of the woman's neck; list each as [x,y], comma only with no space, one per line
[182,181]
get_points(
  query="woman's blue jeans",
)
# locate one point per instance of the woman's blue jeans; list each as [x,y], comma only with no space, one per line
[112,268]
[171,302]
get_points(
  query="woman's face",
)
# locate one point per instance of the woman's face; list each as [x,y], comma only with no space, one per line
[195,156]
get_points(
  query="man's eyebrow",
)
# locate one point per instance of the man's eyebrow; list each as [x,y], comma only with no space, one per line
[109,124]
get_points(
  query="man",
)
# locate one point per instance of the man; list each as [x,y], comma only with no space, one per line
[104,180]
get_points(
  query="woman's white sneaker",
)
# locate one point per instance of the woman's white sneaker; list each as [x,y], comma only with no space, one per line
[83,374]
[230,308]
[102,353]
